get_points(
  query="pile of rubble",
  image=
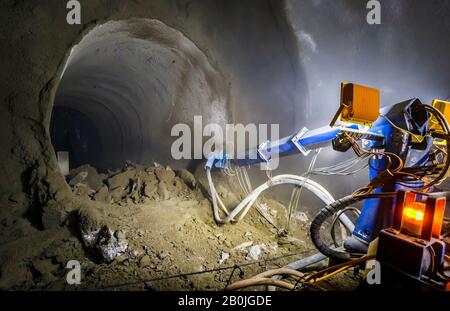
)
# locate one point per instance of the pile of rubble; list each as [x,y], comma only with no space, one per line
[133,184]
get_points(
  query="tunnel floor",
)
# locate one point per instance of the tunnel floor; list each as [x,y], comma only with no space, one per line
[156,226]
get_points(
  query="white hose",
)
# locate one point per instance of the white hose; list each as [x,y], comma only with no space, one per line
[312,186]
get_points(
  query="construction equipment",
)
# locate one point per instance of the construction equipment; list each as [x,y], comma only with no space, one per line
[406,146]
[413,245]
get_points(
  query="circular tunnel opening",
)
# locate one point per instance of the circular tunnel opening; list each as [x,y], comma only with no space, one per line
[123,88]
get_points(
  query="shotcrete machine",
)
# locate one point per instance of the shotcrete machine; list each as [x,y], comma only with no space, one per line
[406,148]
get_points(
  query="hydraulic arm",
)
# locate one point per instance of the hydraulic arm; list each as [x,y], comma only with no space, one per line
[405,145]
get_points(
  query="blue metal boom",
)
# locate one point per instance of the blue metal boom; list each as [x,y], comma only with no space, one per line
[383,135]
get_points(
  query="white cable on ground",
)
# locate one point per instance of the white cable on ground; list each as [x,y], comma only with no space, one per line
[246,187]
[245,204]
[297,191]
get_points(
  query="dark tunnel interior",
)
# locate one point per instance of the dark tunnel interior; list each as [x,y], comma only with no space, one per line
[124,86]
[75,132]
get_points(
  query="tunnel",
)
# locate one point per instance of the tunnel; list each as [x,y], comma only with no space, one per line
[123,88]
[106,93]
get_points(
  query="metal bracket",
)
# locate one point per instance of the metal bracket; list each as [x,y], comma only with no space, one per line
[262,151]
[296,141]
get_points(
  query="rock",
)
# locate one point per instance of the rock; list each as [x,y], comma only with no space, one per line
[301,216]
[98,236]
[187,177]
[243,246]
[164,174]
[254,252]
[223,257]
[103,195]
[150,190]
[62,194]
[120,180]
[135,189]
[129,165]
[83,190]
[145,261]
[120,235]
[121,258]
[105,243]
[117,194]
[89,219]
[163,191]
[78,178]
[94,180]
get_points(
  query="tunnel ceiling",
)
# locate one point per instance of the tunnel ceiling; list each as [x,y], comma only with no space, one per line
[125,84]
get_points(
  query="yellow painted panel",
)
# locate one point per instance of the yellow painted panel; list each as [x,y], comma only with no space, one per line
[444,107]
[360,104]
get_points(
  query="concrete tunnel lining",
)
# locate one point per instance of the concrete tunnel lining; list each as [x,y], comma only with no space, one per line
[132,80]
[278,61]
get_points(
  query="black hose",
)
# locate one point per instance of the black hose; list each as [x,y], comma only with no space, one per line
[325,213]
[446,127]
[336,206]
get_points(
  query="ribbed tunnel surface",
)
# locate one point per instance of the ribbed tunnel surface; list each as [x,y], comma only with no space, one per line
[124,86]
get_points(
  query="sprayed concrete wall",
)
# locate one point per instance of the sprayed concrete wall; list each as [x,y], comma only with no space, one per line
[173,59]
[238,61]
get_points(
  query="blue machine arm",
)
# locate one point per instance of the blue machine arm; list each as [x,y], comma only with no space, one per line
[376,213]
[304,141]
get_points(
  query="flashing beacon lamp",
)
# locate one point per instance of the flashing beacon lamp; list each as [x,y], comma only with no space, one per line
[412,218]
[420,219]
[413,244]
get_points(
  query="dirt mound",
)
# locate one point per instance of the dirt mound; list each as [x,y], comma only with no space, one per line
[133,184]
[137,224]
